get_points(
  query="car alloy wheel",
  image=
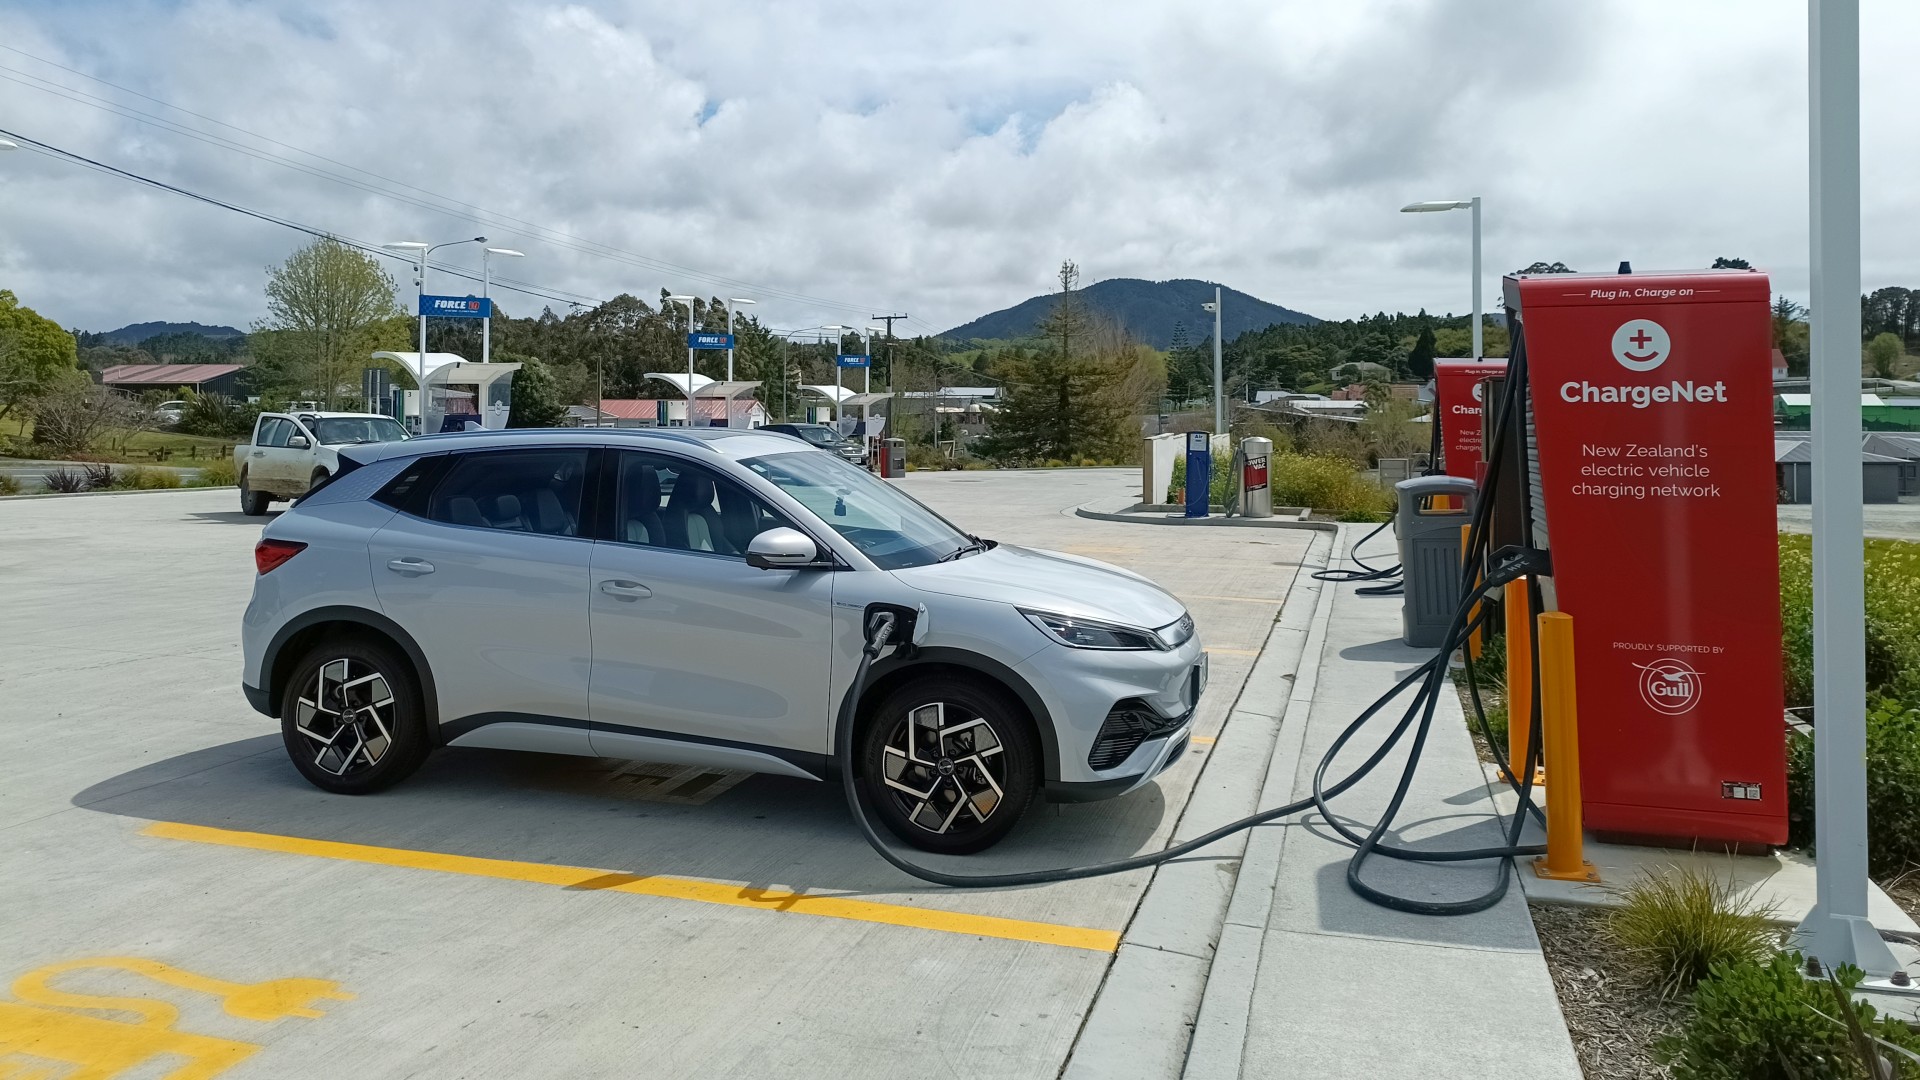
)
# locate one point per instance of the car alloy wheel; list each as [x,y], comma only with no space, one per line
[346,715]
[944,766]
[949,764]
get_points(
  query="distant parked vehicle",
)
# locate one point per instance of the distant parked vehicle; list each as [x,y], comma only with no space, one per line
[824,437]
[292,453]
[168,413]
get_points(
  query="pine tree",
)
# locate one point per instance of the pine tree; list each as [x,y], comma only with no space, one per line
[1074,398]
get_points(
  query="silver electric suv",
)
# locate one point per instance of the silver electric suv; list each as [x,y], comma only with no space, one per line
[699,597]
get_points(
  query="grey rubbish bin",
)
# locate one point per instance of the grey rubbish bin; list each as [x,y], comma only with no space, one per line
[1429,531]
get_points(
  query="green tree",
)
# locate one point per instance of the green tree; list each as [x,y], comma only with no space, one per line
[536,394]
[1790,335]
[1420,358]
[1724,263]
[1075,398]
[34,354]
[1883,356]
[328,308]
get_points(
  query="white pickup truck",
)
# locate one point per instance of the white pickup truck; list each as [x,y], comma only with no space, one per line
[292,452]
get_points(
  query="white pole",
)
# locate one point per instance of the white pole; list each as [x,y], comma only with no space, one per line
[1219,393]
[1478,318]
[486,293]
[729,344]
[1837,929]
[420,276]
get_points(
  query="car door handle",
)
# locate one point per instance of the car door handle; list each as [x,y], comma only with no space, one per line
[409,565]
[625,590]
[259,453]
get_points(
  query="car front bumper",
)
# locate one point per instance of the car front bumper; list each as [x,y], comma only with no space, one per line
[1083,689]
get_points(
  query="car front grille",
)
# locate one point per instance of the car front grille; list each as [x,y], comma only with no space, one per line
[1129,724]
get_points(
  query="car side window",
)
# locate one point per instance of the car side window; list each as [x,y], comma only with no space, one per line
[274,432]
[532,491]
[664,502]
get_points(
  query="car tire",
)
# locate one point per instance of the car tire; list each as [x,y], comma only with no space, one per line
[252,503]
[319,477]
[948,764]
[351,717]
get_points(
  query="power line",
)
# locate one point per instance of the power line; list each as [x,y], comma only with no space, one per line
[452,208]
[99,166]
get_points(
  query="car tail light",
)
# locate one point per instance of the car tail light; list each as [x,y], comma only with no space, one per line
[268,554]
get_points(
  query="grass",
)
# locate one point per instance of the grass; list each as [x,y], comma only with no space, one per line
[1676,927]
[1893,617]
[141,446]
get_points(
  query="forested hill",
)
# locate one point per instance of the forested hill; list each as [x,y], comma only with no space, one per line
[1154,312]
[136,333]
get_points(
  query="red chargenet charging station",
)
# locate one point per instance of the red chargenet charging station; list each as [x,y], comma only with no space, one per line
[1652,407]
[1457,387]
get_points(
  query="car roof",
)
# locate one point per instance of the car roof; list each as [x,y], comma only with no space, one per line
[722,442]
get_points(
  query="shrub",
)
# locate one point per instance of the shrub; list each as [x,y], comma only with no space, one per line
[1893,786]
[142,478]
[217,473]
[99,476]
[76,415]
[1676,927]
[1763,1020]
[1330,484]
[65,481]
[8,485]
[1893,618]
[1220,485]
[215,415]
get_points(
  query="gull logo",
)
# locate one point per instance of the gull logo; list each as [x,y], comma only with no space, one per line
[1669,686]
[1641,345]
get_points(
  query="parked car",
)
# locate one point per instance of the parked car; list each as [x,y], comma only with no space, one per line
[292,453]
[699,597]
[824,437]
[168,413]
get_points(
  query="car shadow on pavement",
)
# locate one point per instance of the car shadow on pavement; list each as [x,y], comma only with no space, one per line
[762,831]
[231,517]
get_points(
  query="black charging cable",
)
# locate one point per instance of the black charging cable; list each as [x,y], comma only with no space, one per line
[1429,676]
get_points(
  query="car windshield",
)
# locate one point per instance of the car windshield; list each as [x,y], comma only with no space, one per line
[354,430]
[817,435]
[887,525]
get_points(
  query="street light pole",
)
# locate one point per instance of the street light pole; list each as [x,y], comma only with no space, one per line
[732,300]
[688,300]
[1838,930]
[420,286]
[486,293]
[1472,204]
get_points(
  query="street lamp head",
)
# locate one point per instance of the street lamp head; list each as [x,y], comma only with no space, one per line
[406,245]
[1208,306]
[1437,205]
[509,252]
[9,144]
[479,239]
[740,300]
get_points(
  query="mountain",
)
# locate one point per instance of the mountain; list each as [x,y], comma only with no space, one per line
[1149,310]
[138,332]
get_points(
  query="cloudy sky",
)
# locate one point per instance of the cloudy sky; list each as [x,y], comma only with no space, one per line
[836,159]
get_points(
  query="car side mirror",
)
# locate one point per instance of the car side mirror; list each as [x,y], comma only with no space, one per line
[782,549]
[298,442]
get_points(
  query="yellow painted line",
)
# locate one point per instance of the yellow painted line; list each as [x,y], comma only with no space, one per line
[1231,652]
[1203,740]
[706,892]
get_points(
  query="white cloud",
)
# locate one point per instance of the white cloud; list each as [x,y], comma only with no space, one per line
[938,159]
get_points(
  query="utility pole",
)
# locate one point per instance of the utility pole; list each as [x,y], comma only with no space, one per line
[892,405]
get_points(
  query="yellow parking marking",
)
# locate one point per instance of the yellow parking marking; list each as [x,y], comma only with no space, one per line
[1203,740]
[1222,650]
[52,1030]
[706,892]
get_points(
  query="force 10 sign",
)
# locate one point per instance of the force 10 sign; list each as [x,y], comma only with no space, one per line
[456,307]
[709,341]
[854,359]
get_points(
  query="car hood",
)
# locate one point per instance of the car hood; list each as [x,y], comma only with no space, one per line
[1050,581]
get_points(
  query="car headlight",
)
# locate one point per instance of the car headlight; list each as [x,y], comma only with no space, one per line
[1081,633]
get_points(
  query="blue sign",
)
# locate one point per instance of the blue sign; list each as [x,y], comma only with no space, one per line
[853,360]
[456,307]
[709,341]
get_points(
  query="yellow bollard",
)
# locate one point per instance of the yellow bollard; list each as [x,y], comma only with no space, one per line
[1560,742]
[1473,639]
[1519,679]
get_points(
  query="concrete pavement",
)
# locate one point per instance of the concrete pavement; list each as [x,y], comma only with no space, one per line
[502,914]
